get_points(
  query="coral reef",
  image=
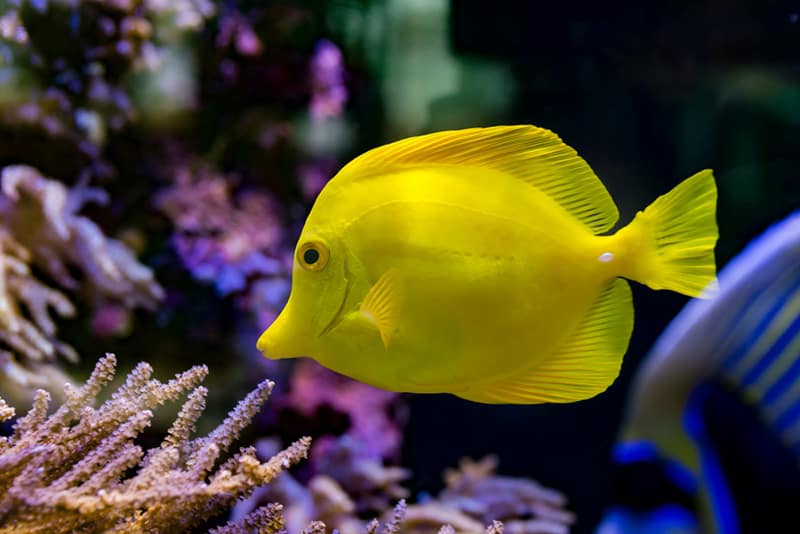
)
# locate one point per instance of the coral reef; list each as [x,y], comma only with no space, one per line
[370,483]
[474,496]
[104,86]
[40,228]
[227,229]
[371,488]
[478,493]
[358,432]
[80,469]
[71,471]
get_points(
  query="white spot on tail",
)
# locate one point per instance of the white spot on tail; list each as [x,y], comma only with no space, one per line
[605,257]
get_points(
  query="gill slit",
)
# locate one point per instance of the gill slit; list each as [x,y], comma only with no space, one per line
[338,317]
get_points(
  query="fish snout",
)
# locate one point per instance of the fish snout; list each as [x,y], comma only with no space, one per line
[279,341]
[266,346]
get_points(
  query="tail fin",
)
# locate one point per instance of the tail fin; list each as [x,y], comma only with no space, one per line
[671,243]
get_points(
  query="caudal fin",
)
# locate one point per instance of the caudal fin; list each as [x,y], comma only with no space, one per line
[671,243]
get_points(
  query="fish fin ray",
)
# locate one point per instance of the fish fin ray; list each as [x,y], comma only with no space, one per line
[675,237]
[583,367]
[381,303]
[534,155]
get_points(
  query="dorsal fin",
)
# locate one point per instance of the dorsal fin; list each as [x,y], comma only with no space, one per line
[534,155]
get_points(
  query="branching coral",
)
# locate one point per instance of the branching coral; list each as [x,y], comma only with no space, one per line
[34,337]
[356,458]
[371,484]
[324,497]
[40,226]
[69,471]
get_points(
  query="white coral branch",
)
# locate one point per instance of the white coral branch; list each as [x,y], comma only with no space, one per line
[60,237]
[40,226]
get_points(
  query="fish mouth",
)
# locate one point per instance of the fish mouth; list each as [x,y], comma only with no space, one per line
[338,317]
[278,341]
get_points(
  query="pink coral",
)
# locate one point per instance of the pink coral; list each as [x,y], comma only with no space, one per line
[368,408]
[220,236]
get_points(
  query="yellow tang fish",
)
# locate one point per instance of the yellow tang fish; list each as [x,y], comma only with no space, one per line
[470,262]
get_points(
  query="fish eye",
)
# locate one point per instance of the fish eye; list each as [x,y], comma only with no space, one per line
[313,256]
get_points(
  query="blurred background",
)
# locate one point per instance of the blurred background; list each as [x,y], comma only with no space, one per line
[195,135]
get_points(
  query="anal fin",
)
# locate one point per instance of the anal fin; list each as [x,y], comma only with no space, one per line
[583,367]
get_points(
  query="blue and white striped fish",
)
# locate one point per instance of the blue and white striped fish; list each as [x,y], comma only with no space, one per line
[744,344]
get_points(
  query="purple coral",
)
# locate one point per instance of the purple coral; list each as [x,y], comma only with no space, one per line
[313,175]
[219,236]
[328,91]
[236,30]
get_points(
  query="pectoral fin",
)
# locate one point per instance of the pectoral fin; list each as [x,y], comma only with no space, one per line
[381,305]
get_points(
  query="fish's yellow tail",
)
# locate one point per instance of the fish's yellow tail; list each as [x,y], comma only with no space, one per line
[670,245]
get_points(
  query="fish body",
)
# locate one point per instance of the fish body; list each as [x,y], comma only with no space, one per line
[456,267]
[469,262]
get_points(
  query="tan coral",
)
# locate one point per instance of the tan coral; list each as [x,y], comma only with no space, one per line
[477,490]
[67,471]
[267,518]
[427,518]
[25,324]
[474,497]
